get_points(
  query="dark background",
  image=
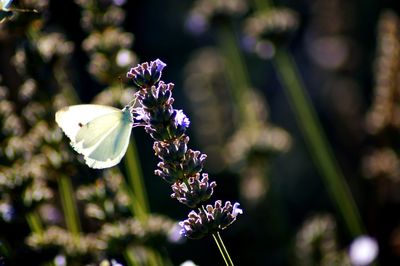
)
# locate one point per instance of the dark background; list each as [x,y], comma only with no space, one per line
[266,233]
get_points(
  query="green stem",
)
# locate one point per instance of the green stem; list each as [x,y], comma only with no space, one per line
[221,246]
[153,258]
[263,4]
[134,206]
[135,177]
[69,205]
[317,142]
[130,258]
[237,74]
[34,222]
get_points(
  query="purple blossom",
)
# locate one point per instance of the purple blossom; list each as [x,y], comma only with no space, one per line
[196,24]
[181,119]
[7,212]
[160,65]
[236,210]
[119,2]
[140,116]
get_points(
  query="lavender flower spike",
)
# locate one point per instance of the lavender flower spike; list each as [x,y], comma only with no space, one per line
[179,165]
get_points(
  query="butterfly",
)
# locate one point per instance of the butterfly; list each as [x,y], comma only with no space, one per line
[6,11]
[100,133]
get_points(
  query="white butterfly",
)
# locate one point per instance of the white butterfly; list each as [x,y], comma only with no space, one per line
[100,133]
[6,11]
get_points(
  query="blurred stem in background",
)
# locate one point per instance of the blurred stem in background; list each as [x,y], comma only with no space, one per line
[34,222]
[69,204]
[135,176]
[315,137]
[237,73]
[241,88]
[317,142]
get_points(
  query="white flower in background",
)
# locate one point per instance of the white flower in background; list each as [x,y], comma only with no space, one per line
[60,260]
[188,263]
[125,58]
[363,250]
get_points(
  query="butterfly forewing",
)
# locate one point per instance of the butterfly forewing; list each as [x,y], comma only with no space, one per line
[72,118]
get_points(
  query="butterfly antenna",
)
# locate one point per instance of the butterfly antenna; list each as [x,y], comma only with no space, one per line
[132,102]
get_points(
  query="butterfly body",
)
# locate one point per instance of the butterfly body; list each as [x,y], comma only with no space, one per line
[100,133]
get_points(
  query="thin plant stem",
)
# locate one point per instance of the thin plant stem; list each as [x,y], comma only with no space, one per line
[317,142]
[69,204]
[222,249]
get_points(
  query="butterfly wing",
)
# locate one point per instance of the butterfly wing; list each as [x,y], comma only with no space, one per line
[5,5]
[100,133]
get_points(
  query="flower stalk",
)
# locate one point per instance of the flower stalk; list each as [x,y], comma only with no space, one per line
[221,246]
